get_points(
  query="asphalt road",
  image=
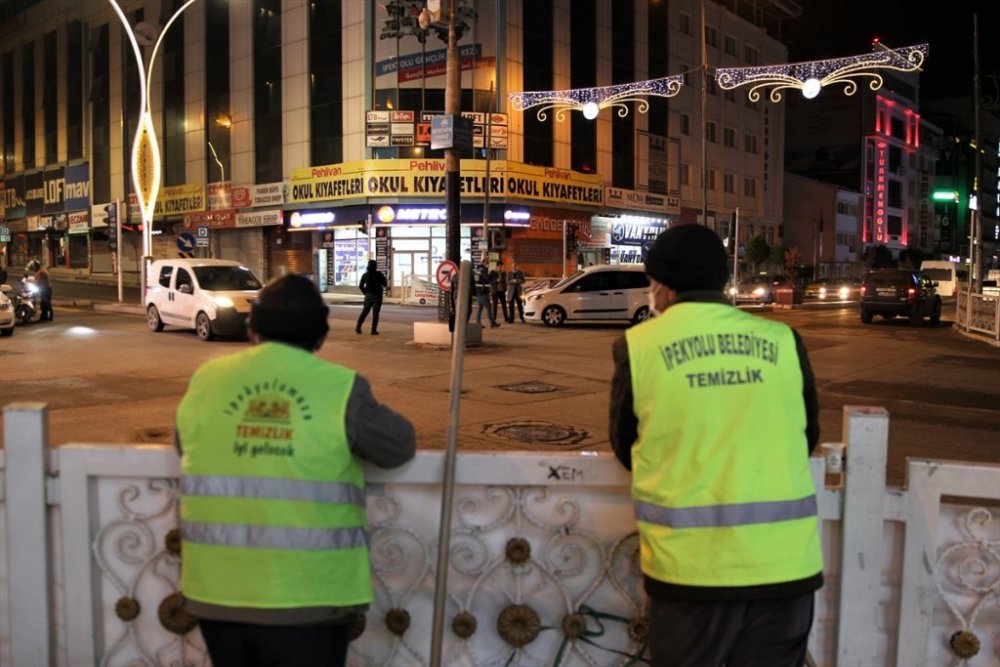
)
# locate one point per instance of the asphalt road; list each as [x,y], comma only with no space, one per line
[107,379]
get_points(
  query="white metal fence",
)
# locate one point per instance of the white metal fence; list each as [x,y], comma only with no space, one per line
[978,313]
[543,558]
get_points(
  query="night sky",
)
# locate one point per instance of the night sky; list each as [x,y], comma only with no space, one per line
[837,28]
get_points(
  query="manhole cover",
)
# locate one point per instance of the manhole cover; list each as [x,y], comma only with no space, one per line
[537,432]
[530,387]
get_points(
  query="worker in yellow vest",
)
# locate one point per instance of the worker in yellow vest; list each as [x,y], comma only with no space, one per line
[714,410]
[272,438]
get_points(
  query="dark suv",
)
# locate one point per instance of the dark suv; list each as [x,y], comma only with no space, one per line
[892,292]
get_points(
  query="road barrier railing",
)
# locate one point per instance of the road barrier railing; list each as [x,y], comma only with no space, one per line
[543,560]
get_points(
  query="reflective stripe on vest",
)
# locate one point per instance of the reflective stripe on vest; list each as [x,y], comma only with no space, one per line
[716,516]
[267,487]
[274,537]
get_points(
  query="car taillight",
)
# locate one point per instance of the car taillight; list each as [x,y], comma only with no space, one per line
[863,290]
[911,294]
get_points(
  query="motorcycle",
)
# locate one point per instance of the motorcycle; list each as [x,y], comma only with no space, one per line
[28,302]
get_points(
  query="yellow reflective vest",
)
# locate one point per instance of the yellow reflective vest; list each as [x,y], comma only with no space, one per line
[272,500]
[721,483]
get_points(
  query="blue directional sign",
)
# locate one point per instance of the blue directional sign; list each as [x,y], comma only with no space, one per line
[185,242]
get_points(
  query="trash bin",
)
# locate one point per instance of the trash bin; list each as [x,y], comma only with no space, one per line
[784,296]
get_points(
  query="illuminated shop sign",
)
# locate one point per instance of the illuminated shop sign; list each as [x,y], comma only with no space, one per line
[516,216]
[426,178]
[880,189]
[300,219]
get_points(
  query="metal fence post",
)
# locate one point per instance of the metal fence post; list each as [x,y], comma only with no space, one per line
[866,435]
[26,438]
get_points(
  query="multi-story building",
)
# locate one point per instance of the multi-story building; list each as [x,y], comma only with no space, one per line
[827,230]
[295,135]
[874,143]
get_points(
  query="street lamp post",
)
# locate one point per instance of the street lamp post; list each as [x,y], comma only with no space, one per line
[145,150]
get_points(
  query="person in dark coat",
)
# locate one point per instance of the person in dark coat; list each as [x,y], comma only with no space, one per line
[372,285]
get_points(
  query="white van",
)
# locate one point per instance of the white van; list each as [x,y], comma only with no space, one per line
[946,274]
[211,296]
[604,292]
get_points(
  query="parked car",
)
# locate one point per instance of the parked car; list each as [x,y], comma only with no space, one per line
[605,292]
[899,292]
[7,320]
[211,296]
[756,289]
[833,289]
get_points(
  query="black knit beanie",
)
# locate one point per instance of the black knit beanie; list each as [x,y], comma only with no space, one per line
[290,310]
[688,257]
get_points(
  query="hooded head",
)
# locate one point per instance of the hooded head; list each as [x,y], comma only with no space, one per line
[290,310]
[688,257]
[372,265]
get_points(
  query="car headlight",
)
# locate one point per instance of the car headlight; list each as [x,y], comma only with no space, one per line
[845,292]
[732,291]
[534,297]
[4,305]
[822,292]
[760,291]
[223,301]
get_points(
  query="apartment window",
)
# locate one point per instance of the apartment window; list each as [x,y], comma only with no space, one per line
[730,95]
[74,90]
[686,73]
[100,141]
[50,97]
[710,131]
[7,110]
[268,137]
[751,55]
[750,187]
[218,123]
[326,110]
[711,36]
[685,175]
[711,179]
[537,49]
[751,105]
[729,183]
[657,25]
[730,45]
[685,24]
[729,137]
[622,71]
[174,168]
[894,193]
[898,128]
[710,86]
[28,104]
[685,124]
[583,74]
[750,143]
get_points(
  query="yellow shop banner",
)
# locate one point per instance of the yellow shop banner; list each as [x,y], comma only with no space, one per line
[427,178]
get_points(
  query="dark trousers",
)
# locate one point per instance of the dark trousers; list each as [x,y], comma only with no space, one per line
[498,298]
[483,303]
[751,633]
[374,305]
[515,300]
[45,303]
[247,645]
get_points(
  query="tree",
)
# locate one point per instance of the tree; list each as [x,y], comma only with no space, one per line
[911,258]
[793,259]
[757,252]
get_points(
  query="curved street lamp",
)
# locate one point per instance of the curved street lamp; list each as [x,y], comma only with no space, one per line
[145,149]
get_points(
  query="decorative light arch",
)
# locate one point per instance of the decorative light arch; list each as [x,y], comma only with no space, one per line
[810,77]
[591,100]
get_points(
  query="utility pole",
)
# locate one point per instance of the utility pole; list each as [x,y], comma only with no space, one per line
[704,119]
[452,162]
[486,192]
[975,257]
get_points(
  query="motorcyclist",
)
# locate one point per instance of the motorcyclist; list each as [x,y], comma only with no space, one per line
[35,272]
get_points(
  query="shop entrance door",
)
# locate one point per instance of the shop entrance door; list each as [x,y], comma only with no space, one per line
[410,265]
